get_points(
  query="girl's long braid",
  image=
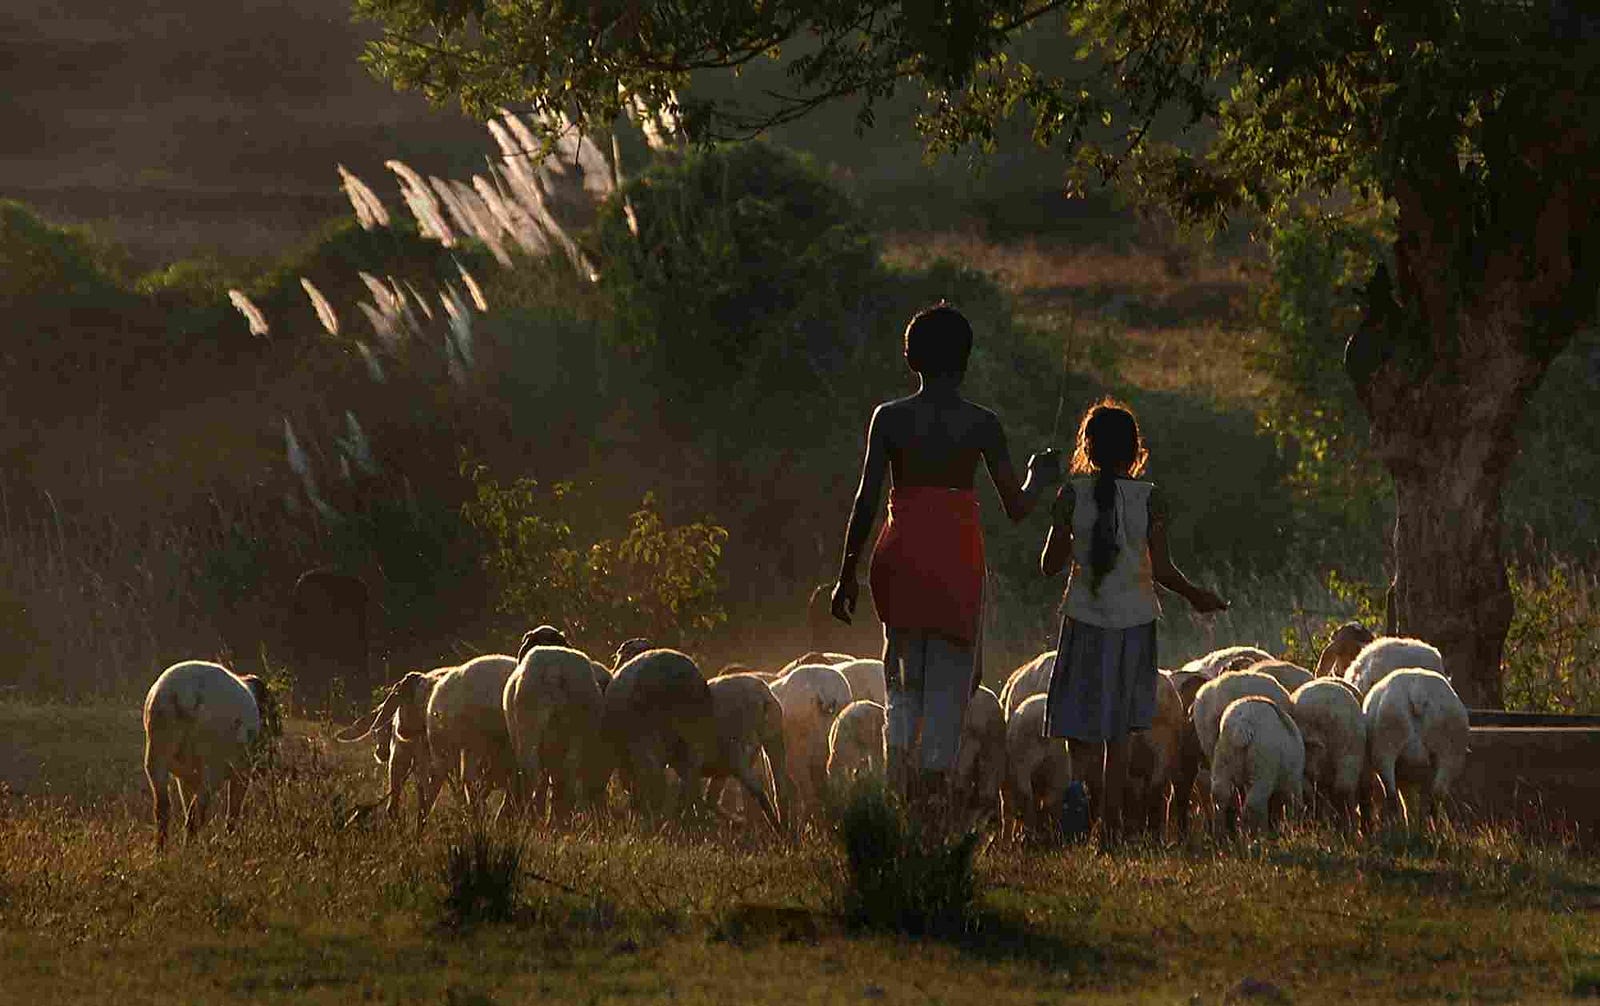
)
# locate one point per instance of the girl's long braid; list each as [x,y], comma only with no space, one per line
[1103,546]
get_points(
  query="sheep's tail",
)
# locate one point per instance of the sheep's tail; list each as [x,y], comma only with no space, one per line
[1288,721]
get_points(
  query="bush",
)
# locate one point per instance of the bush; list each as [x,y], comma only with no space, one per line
[1309,308]
[549,563]
[59,266]
[482,878]
[902,877]
[746,257]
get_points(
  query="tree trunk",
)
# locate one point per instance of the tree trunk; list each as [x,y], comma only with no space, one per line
[1450,584]
[1446,432]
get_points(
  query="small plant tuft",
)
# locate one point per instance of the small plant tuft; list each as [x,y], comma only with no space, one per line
[902,876]
[482,879]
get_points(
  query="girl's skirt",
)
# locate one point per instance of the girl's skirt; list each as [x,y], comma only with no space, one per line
[1104,683]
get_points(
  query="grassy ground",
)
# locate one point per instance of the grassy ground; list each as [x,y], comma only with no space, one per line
[294,908]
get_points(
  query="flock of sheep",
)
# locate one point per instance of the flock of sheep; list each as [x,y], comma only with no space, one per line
[550,728]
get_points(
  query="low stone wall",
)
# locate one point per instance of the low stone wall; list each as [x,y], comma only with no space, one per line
[1538,775]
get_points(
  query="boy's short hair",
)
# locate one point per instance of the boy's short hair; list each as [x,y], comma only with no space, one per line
[938,340]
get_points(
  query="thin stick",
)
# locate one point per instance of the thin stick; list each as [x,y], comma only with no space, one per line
[1061,384]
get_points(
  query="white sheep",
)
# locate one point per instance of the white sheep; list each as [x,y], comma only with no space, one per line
[1290,676]
[811,696]
[1038,769]
[1259,753]
[400,724]
[866,679]
[980,770]
[1390,653]
[750,743]
[1032,678]
[1417,733]
[551,705]
[1229,658]
[203,727]
[657,713]
[1328,712]
[602,675]
[467,726]
[1215,696]
[855,742]
[1346,641]
[829,657]
[1187,685]
[1156,762]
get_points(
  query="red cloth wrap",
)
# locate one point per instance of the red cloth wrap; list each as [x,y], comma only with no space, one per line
[927,566]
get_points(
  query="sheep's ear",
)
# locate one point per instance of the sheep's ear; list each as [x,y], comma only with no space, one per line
[361,728]
[527,644]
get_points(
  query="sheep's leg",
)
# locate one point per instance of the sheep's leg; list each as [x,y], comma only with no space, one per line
[430,779]
[690,768]
[1394,808]
[1222,789]
[233,800]
[399,768]
[746,771]
[156,773]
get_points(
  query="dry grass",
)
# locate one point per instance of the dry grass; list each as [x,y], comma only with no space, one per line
[1178,319]
[291,907]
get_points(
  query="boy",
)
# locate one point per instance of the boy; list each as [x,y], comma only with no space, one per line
[927,569]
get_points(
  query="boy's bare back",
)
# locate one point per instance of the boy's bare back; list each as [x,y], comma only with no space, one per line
[938,441]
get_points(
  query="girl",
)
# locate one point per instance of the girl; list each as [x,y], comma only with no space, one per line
[1113,527]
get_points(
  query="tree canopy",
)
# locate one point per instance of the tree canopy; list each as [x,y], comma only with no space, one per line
[1475,120]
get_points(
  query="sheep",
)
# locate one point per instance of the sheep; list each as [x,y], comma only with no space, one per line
[1038,769]
[1230,658]
[400,722]
[1346,641]
[980,761]
[627,650]
[1417,732]
[602,675]
[855,742]
[1031,678]
[749,724]
[1156,762]
[658,712]
[815,657]
[1187,684]
[551,706]
[1390,653]
[1261,754]
[1290,676]
[203,726]
[544,635]
[866,679]
[1328,712]
[811,696]
[1215,696]
[467,725]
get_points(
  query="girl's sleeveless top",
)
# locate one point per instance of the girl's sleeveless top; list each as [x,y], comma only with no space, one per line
[1127,594]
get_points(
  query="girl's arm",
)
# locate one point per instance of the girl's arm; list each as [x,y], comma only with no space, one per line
[1167,574]
[1058,540]
[847,591]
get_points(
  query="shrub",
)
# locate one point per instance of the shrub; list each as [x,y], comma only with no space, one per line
[482,878]
[549,563]
[901,876]
[746,255]
[1308,309]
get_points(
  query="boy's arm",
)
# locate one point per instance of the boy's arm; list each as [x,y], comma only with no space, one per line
[1161,565]
[1058,541]
[1017,498]
[868,492]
